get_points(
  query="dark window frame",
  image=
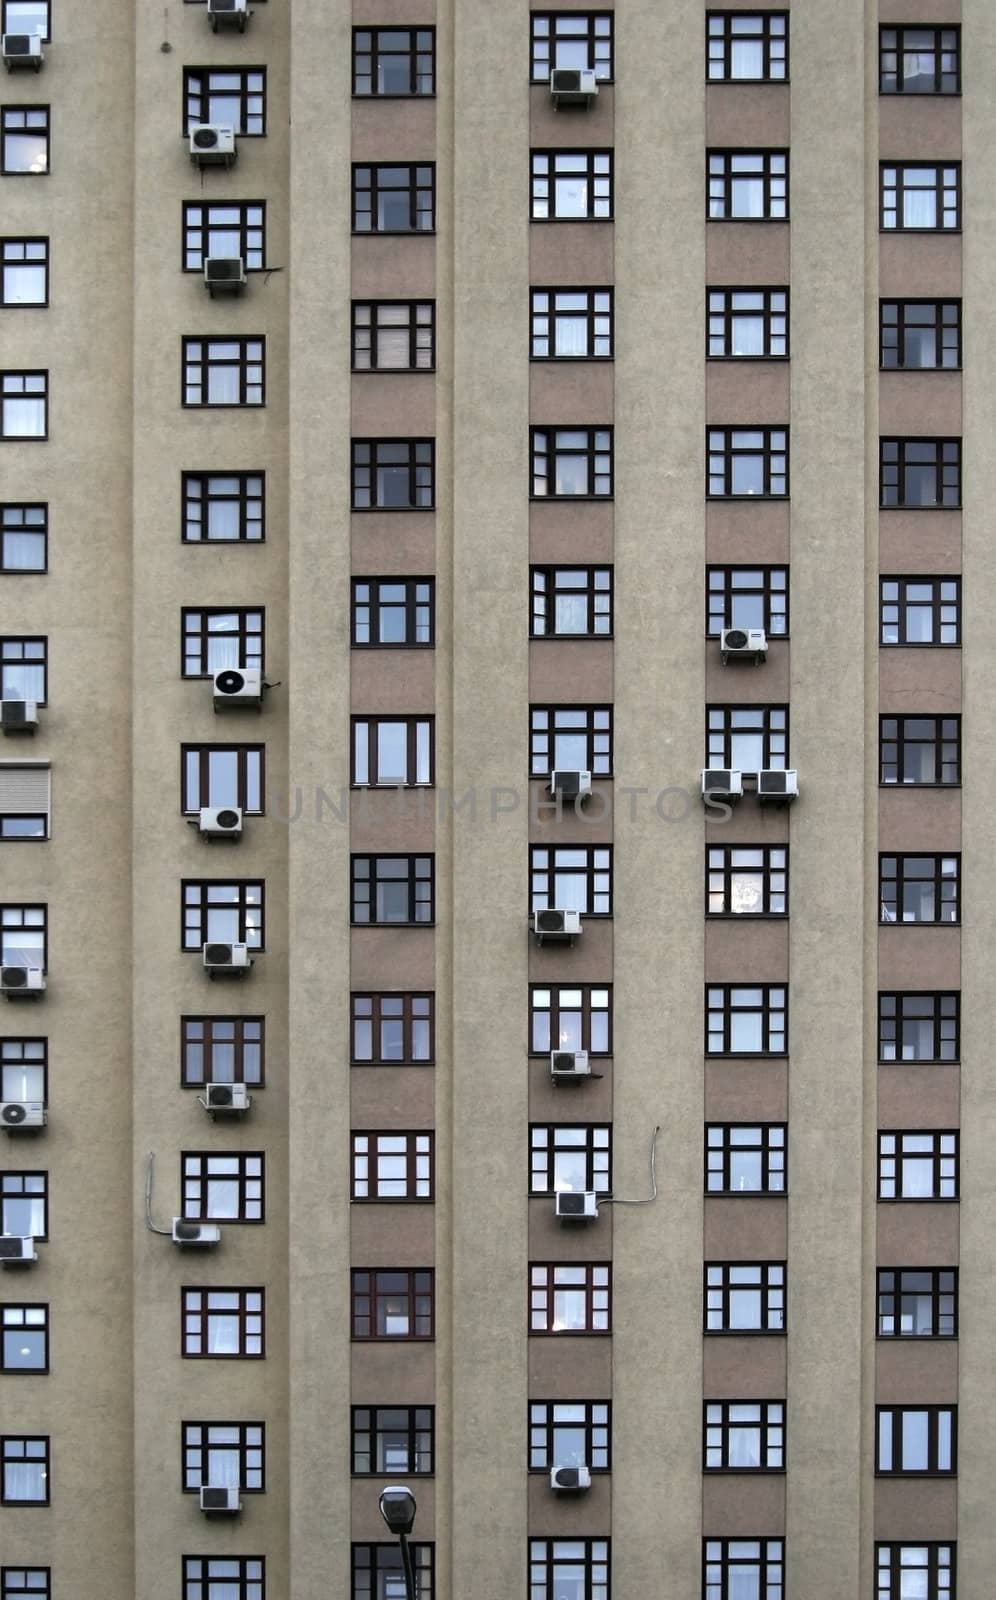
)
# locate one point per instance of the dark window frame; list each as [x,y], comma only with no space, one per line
[197,89]
[895,461]
[17,1191]
[251,640]
[774,1157]
[22,906]
[891,1294]
[196,911]
[547,1140]
[933,1413]
[904,326]
[721,445]
[542,739]
[593,869]
[416,325]
[207,1044]
[195,370]
[22,375]
[775,599]
[769,1291]
[420,465]
[374,877]
[414,52]
[544,1561]
[937,605]
[945,1165]
[947,195]
[770,1423]
[198,1579]
[541,44]
[14,1583]
[196,1180]
[37,1057]
[721,175]
[191,1446]
[203,753]
[369,1562]
[196,219]
[420,1287]
[545,587]
[408,1020]
[945,737]
[542,1425]
[44,1327]
[598,174]
[33,661]
[365,595]
[413,1158]
[9,525]
[42,129]
[541,1298]
[421,184]
[770,1563]
[412,723]
[420,1429]
[894,875]
[597,455]
[7,1440]
[585,1014]
[891,1018]
[721,731]
[196,494]
[940,1563]
[23,240]
[721,318]
[768,36]
[45,37]
[244,1312]
[898,47]
[719,861]
[595,316]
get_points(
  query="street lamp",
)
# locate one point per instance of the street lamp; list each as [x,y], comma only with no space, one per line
[397,1507]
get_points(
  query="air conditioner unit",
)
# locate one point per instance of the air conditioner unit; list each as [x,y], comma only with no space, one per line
[226,958]
[220,822]
[226,1099]
[569,1065]
[557,927]
[571,785]
[777,788]
[17,1252]
[233,13]
[195,1233]
[224,275]
[18,716]
[722,783]
[748,644]
[238,688]
[17,1114]
[576,1207]
[22,50]
[220,1502]
[570,1480]
[212,145]
[22,983]
[573,86]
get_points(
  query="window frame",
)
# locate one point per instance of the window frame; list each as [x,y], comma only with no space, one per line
[421,1285]
[416,190]
[767,36]
[545,587]
[719,860]
[412,879]
[199,1579]
[202,498]
[421,453]
[411,723]
[939,1157]
[903,327]
[374,1431]
[243,1312]
[585,1014]
[196,370]
[727,313]
[22,803]
[720,729]
[591,37]
[10,527]
[24,240]
[947,195]
[719,171]
[938,743]
[598,865]
[546,454]
[42,130]
[937,50]
[727,591]
[189,223]
[22,906]
[241,901]
[199,1169]
[547,1555]
[543,1421]
[769,1291]
[408,1021]
[542,1293]
[45,1457]
[203,753]
[251,640]
[937,604]
[37,1056]
[717,1558]
[24,375]
[895,458]
[45,37]
[900,876]
[934,1413]
[383,1557]
[245,1445]
[592,315]
[597,761]
[415,325]
[39,1192]
[195,88]
[896,1294]
[547,1140]
[14,1584]
[43,1327]
[721,445]
[207,1044]
[418,1155]
[718,1425]
[770,1147]
[598,174]
[940,1563]
[413,52]
[412,604]
[937,1019]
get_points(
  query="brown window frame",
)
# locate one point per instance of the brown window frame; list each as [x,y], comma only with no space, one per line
[547,1140]
[770,721]
[196,222]
[720,176]
[585,1015]
[243,1312]
[726,1556]
[769,38]
[897,458]
[938,604]
[419,594]
[770,1290]
[599,177]
[547,1555]
[420,1285]
[724,448]
[413,879]
[944,737]
[41,1192]
[366,1424]
[197,95]
[252,1476]
[421,321]
[199,1579]
[365,463]
[544,1423]
[19,1330]
[941,324]
[720,864]
[891,1564]
[944,1020]
[773,1009]
[421,43]
[207,1044]
[195,1184]
[773,1153]
[546,452]
[194,914]
[598,41]
[196,368]
[197,497]
[542,1296]
[203,752]
[369,1562]
[545,585]
[413,1157]
[596,871]
[45,37]
[22,1590]
[420,189]
[377,1019]
[938,50]
[721,316]
[891,1294]
[895,874]
[598,314]
[411,725]
[946,190]
[33,662]
[945,1164]
[23,375]
[251,638]
[717,1426]
[934,1413]
[721,587]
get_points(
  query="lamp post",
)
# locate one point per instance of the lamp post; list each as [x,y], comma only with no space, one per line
[397,1507]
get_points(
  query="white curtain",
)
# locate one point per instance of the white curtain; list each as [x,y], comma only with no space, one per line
[23,1480]
[919,208]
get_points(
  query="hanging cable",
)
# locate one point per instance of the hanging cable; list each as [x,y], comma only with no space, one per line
[148,1199]
[612,1200]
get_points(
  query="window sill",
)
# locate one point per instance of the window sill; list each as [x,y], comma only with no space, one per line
[205,405]
[747,83]
[773,638]
[919,923]
[943,233]
[918,1200]
[910,644]
[24,305]
[380,925]
[744,1333]
[746,1055]
[766,221]
[390,1200]
[915,1338]
[893,1061]
[543,221]
[883,506]
[746,1194]
[570,361]
[539,638]
[389,1063]
[198,1088]
[24,572]
[392,646]
[747,499]
[747,916]
[884,784]
[905,371]
[362,99]
[219,544]
[391,788]
[544,1055]
[362,511]
[571,499]
[569,1333]
[740,1472]
[393,233]
[392,372]
[753,360]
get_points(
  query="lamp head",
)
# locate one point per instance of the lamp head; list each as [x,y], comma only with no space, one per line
[397,1507]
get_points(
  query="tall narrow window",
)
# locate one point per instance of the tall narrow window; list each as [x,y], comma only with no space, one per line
[23,272]
[24,141]
[24,1070]
[23,538]
[23,405]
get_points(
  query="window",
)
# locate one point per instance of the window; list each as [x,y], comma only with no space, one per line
[25,1338]
[223,1188]
[922,750]
[570,1299]
[25,1471]
[393,611]
[745,880]
[920,472]
[391,1029]
[568,1569]
[392,62]
[747,738]
[223,1323]
[745,1297]
[219,637]
[27,16]
[392,1166]
[221,1050]
[745,1160]
[378,1573]
[571,738]
[23,405]
[223,507]
[918,60]
[394,335]
[927,1570]
[25,1583]
[228,97]
[918,335]
[569,1433]
[916,1440]
[25,800]
[571,39]
[571,324]
[917,1302]
[748,323]
[747,463]
[222,775]
[24,936]
[916,611]
[919,888]
[392,1439]
[223,372]
[392,1305]
[393,474]
[921,196]
[571,878]
[571,186]
[392,751]
[748,185]
[26,140]
[918,1027]
[24,1069]
[570,1017]
[226,913]
[24,1205]
[392,889]
[24,669]
[744,1436]
[223,1455]
[23,538]
[747,597]
[569,1159]
[918,1166]
[743,1569]
[394,199]
[747,47]
[224,228]
[571,463]
[223,1578]
[571,601]
[24,272]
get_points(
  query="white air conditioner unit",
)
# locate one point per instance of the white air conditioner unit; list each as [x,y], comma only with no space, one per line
[570,1480]
[17,1114]
[576,1207]
[747,644]
[567,1066]
[232,13]
[722,783]
[220,822]
[226,959]
[557,927]
[195,1233]
[224,275]
[22,983]
[220,1502]
[238,688]
[212,145]
[573,86]
[17,1252]
[18,716]
[571,785]
[226,1099]
[777,788]
[22,50]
